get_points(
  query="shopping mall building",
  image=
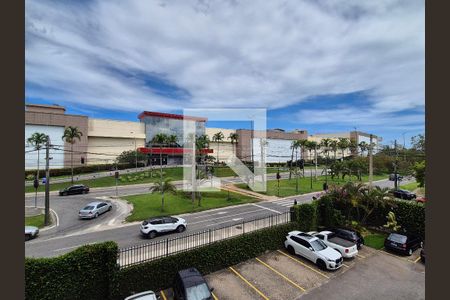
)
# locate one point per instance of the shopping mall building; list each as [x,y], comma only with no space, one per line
[103,140]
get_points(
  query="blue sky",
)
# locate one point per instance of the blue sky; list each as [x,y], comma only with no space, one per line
[323,66]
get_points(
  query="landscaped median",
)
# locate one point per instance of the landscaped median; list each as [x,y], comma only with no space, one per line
[37,221]
[149,205]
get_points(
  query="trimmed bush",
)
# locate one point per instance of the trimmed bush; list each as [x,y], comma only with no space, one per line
[306,216]
[159,274]
[85,273]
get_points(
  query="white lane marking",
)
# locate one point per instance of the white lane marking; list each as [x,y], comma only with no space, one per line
[207,220]
[267,208]
[236,219]
[221,213]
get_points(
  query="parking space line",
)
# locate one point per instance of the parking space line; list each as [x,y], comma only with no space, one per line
[417,259]
[360,256]
[284,277]
[347,266]
[247,282]
[303,264]
[214,296]
[397,257]
[163,295]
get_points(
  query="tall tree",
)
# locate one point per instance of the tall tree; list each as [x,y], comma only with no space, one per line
[160,140]
[37,140]
[312,145]
[71,135]
[325,145]
[218,137]
[163,187]
[294,146]
[343,144]
[353,146]
[364,147]
[334,147]
[201,143]
[172,141]
[233,137]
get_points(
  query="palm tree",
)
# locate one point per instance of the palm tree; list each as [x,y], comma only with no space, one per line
[172,141]
[233,137]
[218,137]
[71,134]
[302,144]
[372,199]
[325,145]
[37,140]
[363,146]
[201,142]
[312,145]
[334,147]
[161,140]
[163,187]
[353,146]
[294,146]
[343,144]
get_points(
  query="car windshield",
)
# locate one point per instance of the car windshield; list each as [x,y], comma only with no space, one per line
[397,238]
[88,208]
[318,245]
[331,235]
[198,292]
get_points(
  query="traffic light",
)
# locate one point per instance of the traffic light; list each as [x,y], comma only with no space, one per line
[82,160]
[36,183]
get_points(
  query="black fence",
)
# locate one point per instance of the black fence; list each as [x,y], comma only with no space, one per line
[169,246]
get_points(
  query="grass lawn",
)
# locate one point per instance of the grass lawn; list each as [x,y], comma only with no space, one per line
[149,205]
[412,187]
[37,221]
[374,240]
[288,187]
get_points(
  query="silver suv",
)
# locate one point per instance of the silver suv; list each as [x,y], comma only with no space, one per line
[151,227]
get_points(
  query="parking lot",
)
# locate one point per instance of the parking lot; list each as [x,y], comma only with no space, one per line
[372,274]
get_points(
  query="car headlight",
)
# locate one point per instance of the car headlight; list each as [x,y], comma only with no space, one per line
[330,260]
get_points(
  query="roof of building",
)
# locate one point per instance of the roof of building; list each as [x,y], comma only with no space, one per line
[170,116]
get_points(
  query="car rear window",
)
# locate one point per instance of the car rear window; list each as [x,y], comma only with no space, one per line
[88,208]
[199,292]
[397,238]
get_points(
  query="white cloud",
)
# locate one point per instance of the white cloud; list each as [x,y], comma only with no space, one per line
[229,53]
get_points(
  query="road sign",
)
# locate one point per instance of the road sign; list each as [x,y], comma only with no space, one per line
[116,175]
[278,175]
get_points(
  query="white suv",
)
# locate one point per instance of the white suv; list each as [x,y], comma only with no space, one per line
[151,227]
[312,248]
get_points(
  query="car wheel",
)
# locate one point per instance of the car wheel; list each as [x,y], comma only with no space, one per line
[291,250]
[110,207]
[96,215]
[27,237]
[152,234]
[410,252]
[64,194]
[83,192]
[181,228]
[321,264]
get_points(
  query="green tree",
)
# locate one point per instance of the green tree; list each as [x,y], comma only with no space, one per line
[392,222]
[419,173]
[129,156]
[418,143]
[71,134]
[325,145]
[233,137]
[163,187]
[172,141]
[218,137]
[372,199]
[353,146]
[37,140]
[363,146]
[201,144]
[294,146]
[343,144]
[334,147]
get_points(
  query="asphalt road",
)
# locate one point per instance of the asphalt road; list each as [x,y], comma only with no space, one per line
[68,237]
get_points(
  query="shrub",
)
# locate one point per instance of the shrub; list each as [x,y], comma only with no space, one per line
[159,274]
[306,216]
[85,273]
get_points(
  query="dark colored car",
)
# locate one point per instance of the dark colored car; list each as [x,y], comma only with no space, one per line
[74,189]
[404,194]
[403,243]
[189,284]
[349,235]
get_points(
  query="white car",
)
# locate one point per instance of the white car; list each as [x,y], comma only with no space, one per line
[147,295]
[346,248]
[31,232]
[313,249]
[151,227]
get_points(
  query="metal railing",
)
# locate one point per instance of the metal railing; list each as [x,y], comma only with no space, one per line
[147,252]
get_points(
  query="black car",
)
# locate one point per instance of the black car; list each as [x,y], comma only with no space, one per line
[74,189]
[403,243]
[349,235]
[404,194]
[189,284]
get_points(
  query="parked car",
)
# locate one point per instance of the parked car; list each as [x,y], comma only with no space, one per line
[349,235]
[403,243]
[189,284]
[392,177]
[313,249]
[151,227]
[403,194]
[421,199]
[31,232]
[147,295]
[74,189]
[94,209]
[346,248]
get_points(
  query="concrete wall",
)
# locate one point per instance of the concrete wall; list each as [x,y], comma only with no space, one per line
[109,138]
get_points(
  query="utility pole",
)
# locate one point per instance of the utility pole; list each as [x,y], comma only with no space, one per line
[370,161]
[47,182]
[395,167]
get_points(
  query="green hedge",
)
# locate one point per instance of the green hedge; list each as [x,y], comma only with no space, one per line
[159,274]
[85,273]
[306,216]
